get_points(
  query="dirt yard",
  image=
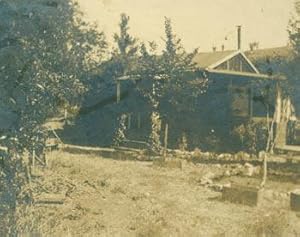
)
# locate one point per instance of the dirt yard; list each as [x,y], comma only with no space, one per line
[106,197]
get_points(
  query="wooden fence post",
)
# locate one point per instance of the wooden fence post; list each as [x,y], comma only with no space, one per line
[265,175]
[66,114]
[33,158]
[251,100]
[139,120]
[166,140]
[118,91]
[129,121]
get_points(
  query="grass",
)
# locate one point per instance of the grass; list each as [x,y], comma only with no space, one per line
[106,197]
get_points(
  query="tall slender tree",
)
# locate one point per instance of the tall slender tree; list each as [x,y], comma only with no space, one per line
[170,74]
[124,56]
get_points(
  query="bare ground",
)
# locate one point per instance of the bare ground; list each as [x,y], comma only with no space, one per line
[105,197]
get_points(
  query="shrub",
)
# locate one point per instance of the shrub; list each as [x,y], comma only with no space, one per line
[251,136]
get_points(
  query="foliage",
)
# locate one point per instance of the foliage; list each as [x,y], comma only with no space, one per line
[293,71]
[124,56]
[170,75]
[294,30]
[52,59]
[46,54]
[154,138]
[251,136]
[126,43]
[163,78]
[120,133]
[172,69]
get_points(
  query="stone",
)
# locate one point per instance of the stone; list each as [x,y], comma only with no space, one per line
[270,198]
[207,179]
[242,156]
[295,200]
[209,175]
[261,155]
[216,187]
[227,173]
[251,170]
[206,155]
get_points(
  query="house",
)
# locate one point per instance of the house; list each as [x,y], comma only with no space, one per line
[236,72]
[235,94]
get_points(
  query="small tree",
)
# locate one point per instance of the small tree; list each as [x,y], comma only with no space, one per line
[124,56]
[170,74]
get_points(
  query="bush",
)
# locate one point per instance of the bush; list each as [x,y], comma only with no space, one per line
[251,136]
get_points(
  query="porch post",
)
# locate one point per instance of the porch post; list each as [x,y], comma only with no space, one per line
[251,101]
[278,103]
[118,91]
[139,120]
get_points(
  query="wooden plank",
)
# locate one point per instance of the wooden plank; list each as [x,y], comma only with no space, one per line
[39,160]
[291,148]
[55,134]
[87,148]
[3,148]
[244,74]
[292,151]
[54,199]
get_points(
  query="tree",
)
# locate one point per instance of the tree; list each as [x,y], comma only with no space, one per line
[164,79]
[46,54]
[179,70]
[290,67]
[294,31]
[170,74]
[123,62]
[292,70]
[124,56]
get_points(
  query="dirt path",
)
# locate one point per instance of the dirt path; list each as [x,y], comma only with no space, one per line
[104,197]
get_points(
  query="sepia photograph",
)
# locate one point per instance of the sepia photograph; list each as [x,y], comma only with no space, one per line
[150,118]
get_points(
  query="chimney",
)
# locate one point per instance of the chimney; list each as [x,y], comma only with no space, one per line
[239,37]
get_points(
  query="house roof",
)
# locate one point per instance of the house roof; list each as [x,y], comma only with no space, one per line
[285,52]
[212,60]
[272,60]
[207,59]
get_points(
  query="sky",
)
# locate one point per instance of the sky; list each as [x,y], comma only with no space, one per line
[199,23]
